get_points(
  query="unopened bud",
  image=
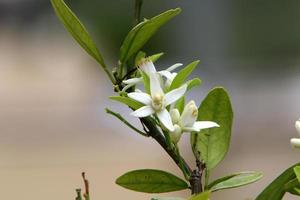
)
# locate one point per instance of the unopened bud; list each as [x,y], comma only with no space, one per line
[295,142]
[297,125]
[176,134]
[175,116]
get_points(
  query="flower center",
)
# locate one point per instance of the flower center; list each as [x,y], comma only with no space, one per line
[157,102]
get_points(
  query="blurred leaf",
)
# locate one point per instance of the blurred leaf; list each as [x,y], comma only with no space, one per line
[193,83]
[146,81]
[141,33]
[155,57]
[297,172]
[183,74]
[127,101]
[293,187]
[167,198]
[202,196]
[212,144]
[140,55]
[235,180]
[76,29]
[276,189]
[180,104]
[151,181]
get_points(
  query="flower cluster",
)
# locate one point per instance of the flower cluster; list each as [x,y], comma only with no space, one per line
[295,142]
[159,101]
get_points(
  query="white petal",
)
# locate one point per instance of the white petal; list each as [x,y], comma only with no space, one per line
[143,111]
[295,142]
[175,94]
[148,67]
[133,80]
[155,87]
[173,67]
[141,97]
[166,74]
[297,125]
[205,124]
[189,114]
[165,118]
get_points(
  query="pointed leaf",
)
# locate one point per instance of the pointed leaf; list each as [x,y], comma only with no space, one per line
[155,57]
[235,180]
[276,189]
[141,33]
[193,83]
[76,29]
[293,187]
[201,196]
[297,172]
[183,74]
[213,143]
[127,101]
[151,181]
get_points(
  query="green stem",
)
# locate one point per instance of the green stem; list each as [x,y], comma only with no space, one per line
[117,115]
[137,11]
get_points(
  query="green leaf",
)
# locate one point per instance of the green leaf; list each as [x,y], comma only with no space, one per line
[276,189]
[155,57]
[141,33]
[167,198]
[297,172]
[140,55]
[151,181]
[127,101]
[183,74]
[213,143]
[76,29]
[235,180]
[293,187]
[180,104]
[202,196]
[146,81]
[193,83]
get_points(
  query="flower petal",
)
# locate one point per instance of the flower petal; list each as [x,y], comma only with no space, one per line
[189,114]
[173,67]
[175,94]
[148,67]
[141,97]
[295,142]
[155,88]
[165,118]
[166,74]
[133,80]
[143,112]
[205,124]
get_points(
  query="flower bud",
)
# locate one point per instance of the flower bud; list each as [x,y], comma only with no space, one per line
[147,66]
[189,114]
[175,115]
[176,134]
[295,142]
[297,125]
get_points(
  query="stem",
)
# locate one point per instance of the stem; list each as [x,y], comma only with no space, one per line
[137,11]
[110,76]
[157,135]
[117,115]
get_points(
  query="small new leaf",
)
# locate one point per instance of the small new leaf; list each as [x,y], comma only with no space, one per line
[141,33]
[151,181]
[127,101]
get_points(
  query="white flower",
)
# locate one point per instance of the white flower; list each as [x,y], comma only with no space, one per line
[169,74]
[187,121]
[157,101]
[295,142]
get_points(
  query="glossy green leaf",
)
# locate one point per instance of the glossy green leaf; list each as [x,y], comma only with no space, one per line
[183,75]
[276,189]
[76,29]
[202,196]
[193,83]
[155,57]
[141,33]
[127,101]
[235,180]
[167,198]
[151,181]
[213,143]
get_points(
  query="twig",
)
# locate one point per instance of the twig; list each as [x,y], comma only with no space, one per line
[86,194]
[117,115]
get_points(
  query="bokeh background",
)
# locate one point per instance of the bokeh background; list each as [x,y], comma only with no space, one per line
[52,94]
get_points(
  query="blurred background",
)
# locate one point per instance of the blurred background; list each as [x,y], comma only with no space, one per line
[52,94]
